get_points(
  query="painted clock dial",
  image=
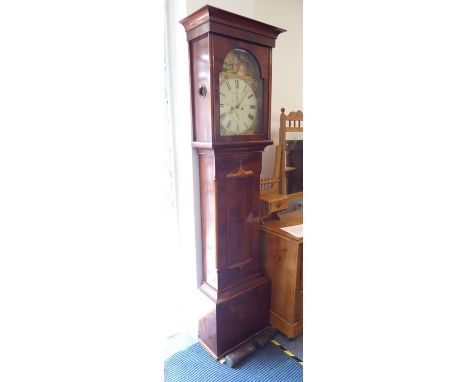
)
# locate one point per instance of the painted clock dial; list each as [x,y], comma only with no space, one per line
[240,94]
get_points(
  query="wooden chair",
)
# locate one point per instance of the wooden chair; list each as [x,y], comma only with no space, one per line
[273,191]
[271,185]
[271,200]
[291,123]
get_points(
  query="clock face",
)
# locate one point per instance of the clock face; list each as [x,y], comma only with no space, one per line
[237,107]
[240,95]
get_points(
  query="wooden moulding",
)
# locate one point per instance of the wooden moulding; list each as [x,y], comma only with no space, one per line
[289,329]
[233,146]
[212,19]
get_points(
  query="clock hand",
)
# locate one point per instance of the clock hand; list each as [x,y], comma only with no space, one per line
[233,110]
[245,93]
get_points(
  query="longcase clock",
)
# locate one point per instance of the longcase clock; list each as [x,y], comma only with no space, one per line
[230,74]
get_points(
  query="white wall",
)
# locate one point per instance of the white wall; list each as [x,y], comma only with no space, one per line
[183,297]
[287,55]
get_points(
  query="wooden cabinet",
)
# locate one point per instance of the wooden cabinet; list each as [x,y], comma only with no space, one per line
[282,261]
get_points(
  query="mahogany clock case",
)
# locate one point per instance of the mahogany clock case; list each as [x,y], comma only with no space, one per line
[236,291]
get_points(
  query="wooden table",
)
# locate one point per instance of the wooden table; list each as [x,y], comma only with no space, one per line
[282,261]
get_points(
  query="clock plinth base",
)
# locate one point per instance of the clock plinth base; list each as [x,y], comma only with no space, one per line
[235,317]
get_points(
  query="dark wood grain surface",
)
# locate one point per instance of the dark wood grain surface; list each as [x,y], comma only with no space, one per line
[236,291]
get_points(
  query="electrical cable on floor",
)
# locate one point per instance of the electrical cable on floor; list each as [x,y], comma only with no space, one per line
[287,352]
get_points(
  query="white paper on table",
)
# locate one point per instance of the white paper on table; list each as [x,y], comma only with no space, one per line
[295,230]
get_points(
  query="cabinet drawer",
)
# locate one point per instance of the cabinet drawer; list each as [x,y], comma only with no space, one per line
[279,205]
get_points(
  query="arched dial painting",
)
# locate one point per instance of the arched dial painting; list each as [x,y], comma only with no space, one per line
[240,95]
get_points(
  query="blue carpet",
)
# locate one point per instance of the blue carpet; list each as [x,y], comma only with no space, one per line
[265,365]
